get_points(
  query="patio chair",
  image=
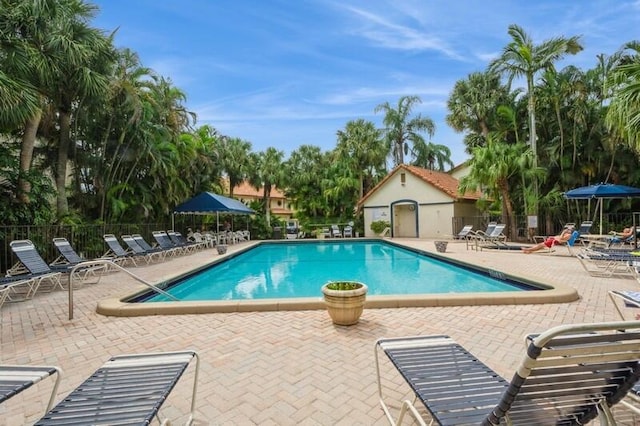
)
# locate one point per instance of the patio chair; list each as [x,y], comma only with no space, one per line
[69,258]
[148,255]
[474,235]
[127,389]
[607,263]
[585,227]
[31,264]
[348,231]
[163,240]
[335,231]
[68,255]
[116,252]
[15,289]
[17,378]
[149,248]
[571,242]
[569,375]
[464,232]
[625,299]
[180,241]
[495,238]
[541,238]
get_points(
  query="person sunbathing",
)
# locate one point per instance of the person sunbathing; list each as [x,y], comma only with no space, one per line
[619,237]
[564,236]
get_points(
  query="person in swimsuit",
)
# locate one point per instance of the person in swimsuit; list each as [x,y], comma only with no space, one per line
[564,236]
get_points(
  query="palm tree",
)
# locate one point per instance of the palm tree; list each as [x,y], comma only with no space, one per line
[234,156]
[522,58]
[492,167]
[432,156]
[624,111]
[473,102]
[304,172]
[361,149]
[268,173]
[19,101]
[31,33]
[401,128]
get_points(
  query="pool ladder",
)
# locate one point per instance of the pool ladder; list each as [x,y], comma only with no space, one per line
[109,265]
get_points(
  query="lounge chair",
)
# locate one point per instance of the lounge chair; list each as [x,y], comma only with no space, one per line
[607,263]
[473,236]
[625,299]
[180,241]
[149,248]
[493,239]
[541,238]
[127,389]
[335,231]
[15,289]
[326,232]
[31,264]
[116,252]
[584,229]
[148,255]
[569,375]
[17,378]
[166,243]
[571,242]
[348,231]
[464,232]
[69,258]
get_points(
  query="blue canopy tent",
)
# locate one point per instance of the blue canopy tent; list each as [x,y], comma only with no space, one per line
[209,203]
[601,191]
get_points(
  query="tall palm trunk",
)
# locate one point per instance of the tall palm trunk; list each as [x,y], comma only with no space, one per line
[61,169]
[503,186]
[267,203]
[26,156]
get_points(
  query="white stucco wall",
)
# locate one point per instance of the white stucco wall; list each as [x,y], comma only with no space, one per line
[435,209]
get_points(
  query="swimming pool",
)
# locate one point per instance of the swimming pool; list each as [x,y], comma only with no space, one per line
[131,306]
[292,270]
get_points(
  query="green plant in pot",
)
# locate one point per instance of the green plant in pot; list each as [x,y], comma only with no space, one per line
[378,226]
[344,301]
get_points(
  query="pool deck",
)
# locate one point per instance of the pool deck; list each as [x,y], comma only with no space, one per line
[283,367]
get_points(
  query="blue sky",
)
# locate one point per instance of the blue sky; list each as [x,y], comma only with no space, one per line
[284,73]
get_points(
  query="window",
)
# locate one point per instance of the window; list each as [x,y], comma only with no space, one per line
[403,178]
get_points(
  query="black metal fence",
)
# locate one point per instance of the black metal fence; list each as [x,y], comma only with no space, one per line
[613,221]
[86,239]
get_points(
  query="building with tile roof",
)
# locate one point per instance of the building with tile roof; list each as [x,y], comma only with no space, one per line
[280,206]
[418,203]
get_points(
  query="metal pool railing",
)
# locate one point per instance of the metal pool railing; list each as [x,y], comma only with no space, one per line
[109,264]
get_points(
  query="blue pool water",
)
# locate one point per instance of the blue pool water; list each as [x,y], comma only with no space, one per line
[293,270]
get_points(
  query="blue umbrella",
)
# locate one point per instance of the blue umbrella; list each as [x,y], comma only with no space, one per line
[602,190]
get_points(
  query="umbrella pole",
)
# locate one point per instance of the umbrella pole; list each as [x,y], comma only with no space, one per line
[601,202]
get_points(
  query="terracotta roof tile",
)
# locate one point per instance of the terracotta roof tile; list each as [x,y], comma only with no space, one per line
[440,180]
[246,190]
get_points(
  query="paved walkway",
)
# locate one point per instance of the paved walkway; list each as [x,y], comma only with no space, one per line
[282,368]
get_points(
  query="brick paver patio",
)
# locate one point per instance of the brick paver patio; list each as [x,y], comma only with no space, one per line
[282,368]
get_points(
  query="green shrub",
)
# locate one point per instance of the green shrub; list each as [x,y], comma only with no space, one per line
[343,285]
[378,226]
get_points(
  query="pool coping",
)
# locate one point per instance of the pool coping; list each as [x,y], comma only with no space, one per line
[556,293]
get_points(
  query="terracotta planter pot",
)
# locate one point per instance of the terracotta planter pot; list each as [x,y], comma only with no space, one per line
[441,246]
[345,306]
